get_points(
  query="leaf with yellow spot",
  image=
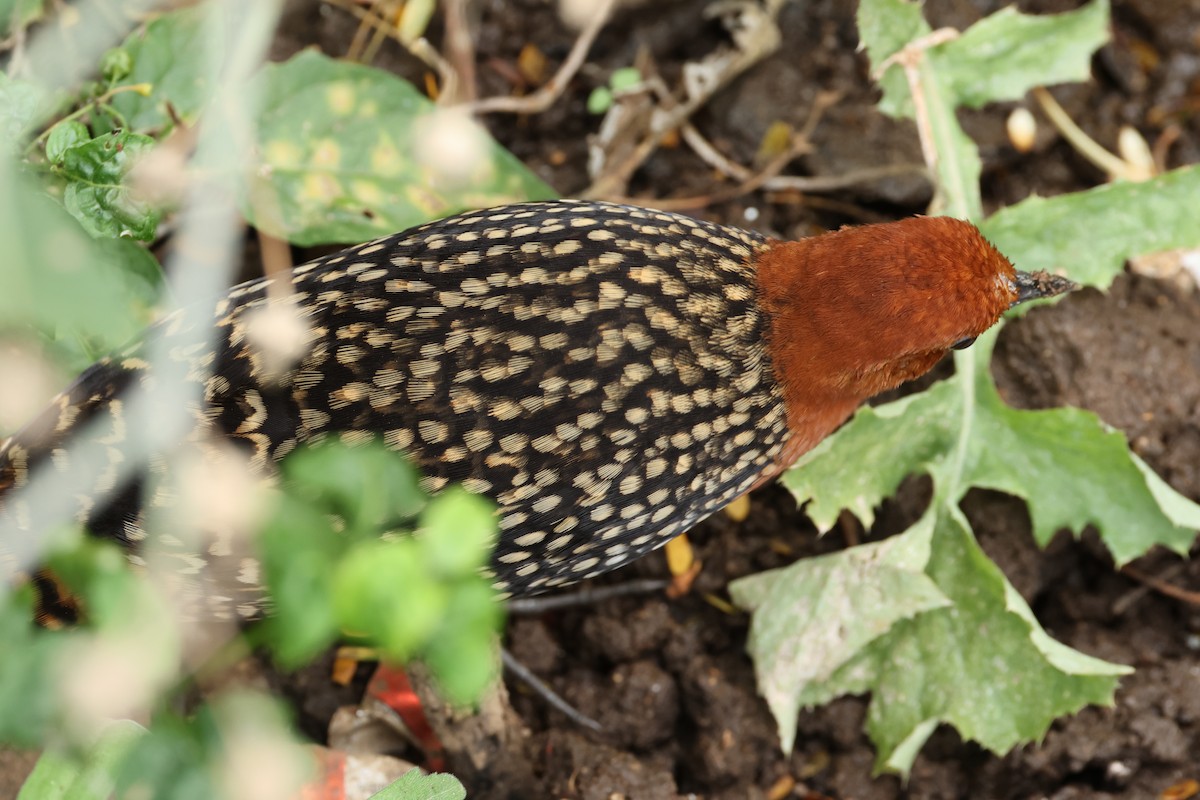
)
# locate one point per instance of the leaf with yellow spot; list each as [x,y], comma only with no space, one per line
[350,152]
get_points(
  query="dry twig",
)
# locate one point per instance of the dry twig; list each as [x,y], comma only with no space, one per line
[755,35]
[544,97]
[1158,584]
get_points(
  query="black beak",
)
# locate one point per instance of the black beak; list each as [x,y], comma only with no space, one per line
[1036,285]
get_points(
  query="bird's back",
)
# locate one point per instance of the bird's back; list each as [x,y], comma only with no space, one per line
[600,371]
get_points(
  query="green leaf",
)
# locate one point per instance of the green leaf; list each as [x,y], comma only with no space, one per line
[66,134]
[29,689]
[19,104]
[116,65]
[978,664]
[97,194]
[1089,235]
[300,552]
[350,153]
[998,58]
[459,531]
[384,590]
[624,79]
[176,55]
[978,660]
[1071,468]
[413,785]
[1001,57]
[814,616]
[16,14]
[239,738]
[599,100]
[59,776]
[1008,53]
[369,486]
[884,28]
[463,654]
[60,281]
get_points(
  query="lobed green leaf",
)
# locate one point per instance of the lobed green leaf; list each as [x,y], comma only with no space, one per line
[1089,235]
[97,192]
[1006,54]
[814,616]
[413,785]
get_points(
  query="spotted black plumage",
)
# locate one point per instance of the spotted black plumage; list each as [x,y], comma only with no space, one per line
[600,371]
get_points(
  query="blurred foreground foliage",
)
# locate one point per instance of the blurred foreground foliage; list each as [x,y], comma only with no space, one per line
[92,176]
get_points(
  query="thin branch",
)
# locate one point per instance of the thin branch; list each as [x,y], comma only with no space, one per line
[585,597]
[754,39]
[544,97]
[460,48]
[1162,586]
[830,183]
[909,59]
[420,47]
[1085,145]
[543,690]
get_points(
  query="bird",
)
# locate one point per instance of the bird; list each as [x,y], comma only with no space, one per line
[608,375]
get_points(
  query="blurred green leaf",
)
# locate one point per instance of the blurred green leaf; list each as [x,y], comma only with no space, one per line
[97,192]
[239,739]
[624,79]
[116,65]
[171,761]
[384,590]
[29,671]
[459,531]
[91,776]
[350,153]
[463,653]
[416,786]
[300,551]
[175,54]
[19,104]
[369,486]
[97,571]
[16,14]
[1090,235]
[599,100]
[60,281]
[329,570]
[66,134]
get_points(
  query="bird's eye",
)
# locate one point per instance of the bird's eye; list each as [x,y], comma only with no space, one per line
[963,344]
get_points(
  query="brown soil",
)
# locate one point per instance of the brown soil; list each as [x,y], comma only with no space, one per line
[669,679]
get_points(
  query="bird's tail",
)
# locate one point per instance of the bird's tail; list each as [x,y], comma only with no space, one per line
[94,402]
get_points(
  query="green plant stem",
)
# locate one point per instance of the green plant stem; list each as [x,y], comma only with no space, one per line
[100,102]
